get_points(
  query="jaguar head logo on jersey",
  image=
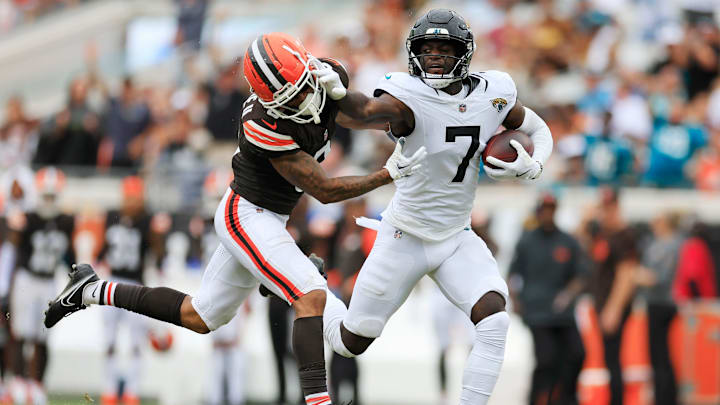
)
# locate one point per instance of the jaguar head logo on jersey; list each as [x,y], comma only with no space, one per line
[440,24]
[277,67]
[499,104]
[462,107]
[398,234]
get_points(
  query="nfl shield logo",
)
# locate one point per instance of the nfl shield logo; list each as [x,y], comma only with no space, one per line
[398,234]
[462,108]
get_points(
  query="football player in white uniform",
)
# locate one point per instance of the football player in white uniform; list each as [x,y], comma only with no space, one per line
[425,230]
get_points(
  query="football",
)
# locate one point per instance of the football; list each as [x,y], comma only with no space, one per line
[499,146]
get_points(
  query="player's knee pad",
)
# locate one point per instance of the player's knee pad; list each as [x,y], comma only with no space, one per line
[368,328]
[493,327]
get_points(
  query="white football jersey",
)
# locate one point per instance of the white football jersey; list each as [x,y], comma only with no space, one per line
[435,202]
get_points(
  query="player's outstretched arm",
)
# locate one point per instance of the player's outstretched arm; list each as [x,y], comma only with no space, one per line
[373,110]
[364,111]
[302,170]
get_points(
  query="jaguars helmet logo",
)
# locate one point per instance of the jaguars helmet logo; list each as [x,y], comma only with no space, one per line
[499,104]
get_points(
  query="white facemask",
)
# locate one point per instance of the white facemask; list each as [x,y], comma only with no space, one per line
[312,106]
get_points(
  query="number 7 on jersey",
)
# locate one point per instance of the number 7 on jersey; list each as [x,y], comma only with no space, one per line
[453,132]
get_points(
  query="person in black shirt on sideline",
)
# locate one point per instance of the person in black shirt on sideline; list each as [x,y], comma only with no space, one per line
[615,260]
[546,275]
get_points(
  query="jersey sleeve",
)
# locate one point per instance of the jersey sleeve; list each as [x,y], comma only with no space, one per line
[267,139]
[502,87]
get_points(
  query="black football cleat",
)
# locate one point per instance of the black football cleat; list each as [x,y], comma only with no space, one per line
[315,259]
[70,299]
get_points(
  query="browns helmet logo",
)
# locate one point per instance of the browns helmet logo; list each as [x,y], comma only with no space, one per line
[499,104]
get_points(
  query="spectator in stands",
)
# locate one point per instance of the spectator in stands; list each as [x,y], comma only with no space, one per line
[126,117]
[181,157]
[708,168]
[713,108]
[630,113]
[608,159]
[18,135]
[659,261]
[673,143]
[696,276]
[226,96]
[71,137]
[190,22]
[615,256]
[546,275]
[701,41]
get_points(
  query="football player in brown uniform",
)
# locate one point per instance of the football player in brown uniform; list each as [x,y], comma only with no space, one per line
[286,128]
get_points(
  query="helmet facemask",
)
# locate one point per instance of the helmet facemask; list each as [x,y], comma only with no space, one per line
[311,108]
[439,81]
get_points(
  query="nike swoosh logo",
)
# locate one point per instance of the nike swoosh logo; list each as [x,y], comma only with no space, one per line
[71,290]
[268,124]
[523,173]
[94,291]
[401,167]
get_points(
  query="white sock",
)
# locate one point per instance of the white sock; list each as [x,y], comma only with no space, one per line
[333,316]
[132,377]
[99,292]
[483,365]
[112,375]
[321,398]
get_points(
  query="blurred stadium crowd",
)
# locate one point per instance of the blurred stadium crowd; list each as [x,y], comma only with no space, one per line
[630,89]
[14,13]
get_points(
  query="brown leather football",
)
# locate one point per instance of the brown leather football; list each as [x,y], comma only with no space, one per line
[499,146]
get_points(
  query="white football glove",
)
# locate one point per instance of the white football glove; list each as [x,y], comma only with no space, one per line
[400,166]
[330,80]
[524,167]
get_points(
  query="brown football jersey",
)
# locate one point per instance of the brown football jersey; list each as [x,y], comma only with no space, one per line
[262,137]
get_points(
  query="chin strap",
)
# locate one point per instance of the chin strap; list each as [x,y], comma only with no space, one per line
[434,80]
